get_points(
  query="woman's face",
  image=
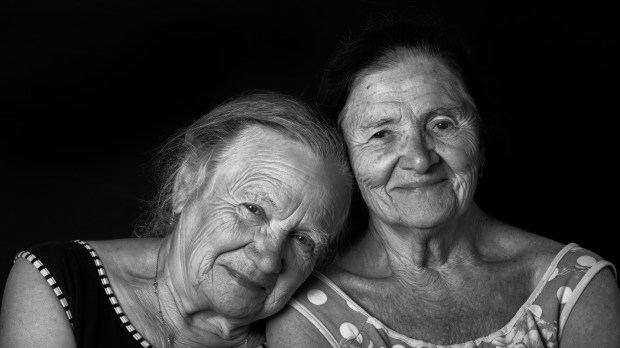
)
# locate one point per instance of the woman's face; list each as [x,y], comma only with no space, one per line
[413,144]
[254,233]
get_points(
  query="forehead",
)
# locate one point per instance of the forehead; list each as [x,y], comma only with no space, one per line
[415,81]
[262,162]
[265,149]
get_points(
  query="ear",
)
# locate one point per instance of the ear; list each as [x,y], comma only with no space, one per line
[184,186]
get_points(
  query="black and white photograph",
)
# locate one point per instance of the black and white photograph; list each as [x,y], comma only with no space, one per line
[402,173]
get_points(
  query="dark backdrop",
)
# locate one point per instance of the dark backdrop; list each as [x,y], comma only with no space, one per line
[91,87]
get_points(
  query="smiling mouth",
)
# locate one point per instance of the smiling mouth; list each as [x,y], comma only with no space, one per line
[244,281]
[421,186]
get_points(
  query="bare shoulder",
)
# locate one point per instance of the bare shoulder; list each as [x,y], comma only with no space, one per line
[31,315]
[113,247]
[289,328]
[528,254]
[595,317]
[126,256]
[502,240]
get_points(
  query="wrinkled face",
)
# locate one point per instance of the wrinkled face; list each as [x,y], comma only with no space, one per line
[414,146]
[253,235]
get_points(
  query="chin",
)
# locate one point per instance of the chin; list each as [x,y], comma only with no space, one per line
[424,224]
[250,313]
[425,217]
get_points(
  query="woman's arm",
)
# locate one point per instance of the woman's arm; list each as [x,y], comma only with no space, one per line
[31,315]
[288,328]
[594,321]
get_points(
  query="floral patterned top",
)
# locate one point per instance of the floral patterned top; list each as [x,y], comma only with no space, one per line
[538,323]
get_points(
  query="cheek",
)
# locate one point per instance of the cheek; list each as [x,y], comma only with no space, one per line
[219,231]
[463,160]
[373,167]
[465,182]
[217,235]
[297,269]
[461,153]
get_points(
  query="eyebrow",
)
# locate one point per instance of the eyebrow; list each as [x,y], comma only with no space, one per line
[320,237]
[263,196]
[456,110]
[379,123]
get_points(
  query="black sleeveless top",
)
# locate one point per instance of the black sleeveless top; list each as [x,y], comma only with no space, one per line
[75,273]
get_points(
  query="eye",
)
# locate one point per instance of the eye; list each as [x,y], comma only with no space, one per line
[253,209]
[380,134]
[443,126]
[304,242]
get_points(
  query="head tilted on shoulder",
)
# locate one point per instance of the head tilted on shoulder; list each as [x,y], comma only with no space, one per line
[205,140]
[259,188]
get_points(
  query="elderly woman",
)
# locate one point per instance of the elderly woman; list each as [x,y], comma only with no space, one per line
[258,189]
[432,269]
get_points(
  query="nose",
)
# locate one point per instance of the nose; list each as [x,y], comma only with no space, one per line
[267,253]
[416,153]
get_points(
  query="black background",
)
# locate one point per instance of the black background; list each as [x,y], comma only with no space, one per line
[91,87]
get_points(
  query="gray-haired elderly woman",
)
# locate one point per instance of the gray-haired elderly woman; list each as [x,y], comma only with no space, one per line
[257,190]
[430,268]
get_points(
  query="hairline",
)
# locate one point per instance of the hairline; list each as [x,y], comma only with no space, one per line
[399,55]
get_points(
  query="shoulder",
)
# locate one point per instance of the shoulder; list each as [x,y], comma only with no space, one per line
[307,315]
[125,257]
[53,250]
[595,315]
[580,288]
[289,328]
[521,254]
[314,314]
[501,241]
[31,314]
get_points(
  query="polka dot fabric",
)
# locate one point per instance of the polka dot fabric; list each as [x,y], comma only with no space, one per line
[538,323]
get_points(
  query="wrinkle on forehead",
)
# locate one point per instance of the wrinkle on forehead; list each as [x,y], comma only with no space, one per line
[405,86]
[275,168]
[273,181]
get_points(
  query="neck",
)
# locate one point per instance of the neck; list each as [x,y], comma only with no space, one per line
[397,249]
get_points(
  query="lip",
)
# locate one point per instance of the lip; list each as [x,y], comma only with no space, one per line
[421,185]
[244,281]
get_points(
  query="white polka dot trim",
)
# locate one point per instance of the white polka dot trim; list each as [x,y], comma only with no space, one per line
[564,293]
[316,297]
[586,261]
[349,331]
[536,310]
[352,306]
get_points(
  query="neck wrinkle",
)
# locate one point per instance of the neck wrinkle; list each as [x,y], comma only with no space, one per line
[417,250]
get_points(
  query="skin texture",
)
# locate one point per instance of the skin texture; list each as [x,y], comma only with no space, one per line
[415,151]
[274,204]
[244,241]
[413,144]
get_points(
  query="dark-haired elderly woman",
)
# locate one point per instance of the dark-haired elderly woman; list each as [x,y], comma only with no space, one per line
[432,269]
[258,189]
